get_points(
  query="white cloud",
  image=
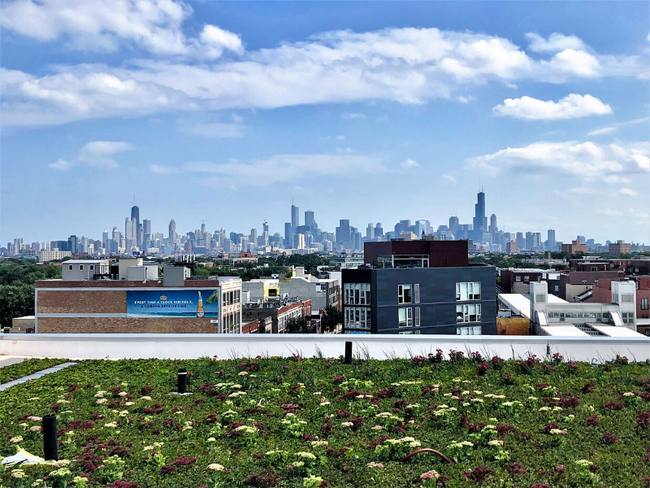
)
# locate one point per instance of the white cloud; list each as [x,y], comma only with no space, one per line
[216,40]
[348,115]
[404,65]
[467,99]
[603,131]
[556,42]
[61,165]
[95,153]
[449,178]
[586,160]
[106,25]
[570,107]
[214,131]
[162,170]
[284,168]
[627,192]
[105,148]
[577,63]
[237,118]
[409,163]
[614,127]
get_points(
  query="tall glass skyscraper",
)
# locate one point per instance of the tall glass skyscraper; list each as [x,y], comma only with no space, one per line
[295,216]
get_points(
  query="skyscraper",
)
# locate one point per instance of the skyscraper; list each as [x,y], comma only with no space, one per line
[309,219]
[288,235]
[295,216]
[105,239]
[379,231]
[453,223]
[370,231]
[135,215]
[480,220]
[172,231]
[343,232]
[550,243]
[493,224]
[265,233]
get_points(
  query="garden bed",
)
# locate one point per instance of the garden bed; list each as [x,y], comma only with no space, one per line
[313,422]
[25,368]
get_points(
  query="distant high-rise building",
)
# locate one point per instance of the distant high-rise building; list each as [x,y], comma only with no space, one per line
[135,216]
[310,221]
[105,239]
[370,231]
[172,231]
[521,242]
[581,239]
[480,220]
[265,233]
[295,216]
[252,237]
[550,243]
[73,244]
[288,235]
[379,231]
[493,224]
[343,235]
[453,223]
[529,240]
[511,247]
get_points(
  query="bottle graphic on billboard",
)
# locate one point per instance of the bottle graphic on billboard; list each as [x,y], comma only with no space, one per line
[200,311]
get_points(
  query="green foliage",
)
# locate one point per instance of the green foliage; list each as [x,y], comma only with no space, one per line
[299,325]
[26,368]
[330,318]
[303,422]
[17,287]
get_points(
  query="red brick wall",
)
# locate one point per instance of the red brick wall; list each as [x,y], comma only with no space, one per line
[123,325]
[107,301]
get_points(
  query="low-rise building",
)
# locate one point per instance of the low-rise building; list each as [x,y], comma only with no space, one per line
[121,306]
[589,318]
[53,255]
[576,286]
[574,247]
[617,248]
[322,292]
[419,287]
[85,269]
[273,317]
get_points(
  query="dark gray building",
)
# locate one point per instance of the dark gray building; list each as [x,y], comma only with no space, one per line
[457,299]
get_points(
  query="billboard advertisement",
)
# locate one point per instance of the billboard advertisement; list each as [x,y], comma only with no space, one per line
[173,303]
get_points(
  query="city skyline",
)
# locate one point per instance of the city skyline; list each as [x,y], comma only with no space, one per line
[224,112]
[299,220]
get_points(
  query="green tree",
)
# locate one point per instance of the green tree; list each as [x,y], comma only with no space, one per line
[330,318]
[15,301]
[299,325]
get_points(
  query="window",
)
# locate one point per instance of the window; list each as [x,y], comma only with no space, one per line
[416,292]
[557,288]
[526,279]
[404,294]
[357,318]
[468,291]
[405,317]
[92,267]
[356,293]
[417,316]
[517,278]
[81,267]
[69,267]
[644,304]
[476,330]
[468,313]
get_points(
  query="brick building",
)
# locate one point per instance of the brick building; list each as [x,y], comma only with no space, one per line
[112,306]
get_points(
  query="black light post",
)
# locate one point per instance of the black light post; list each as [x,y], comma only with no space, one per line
[50,441]
[182,381]
[348,352]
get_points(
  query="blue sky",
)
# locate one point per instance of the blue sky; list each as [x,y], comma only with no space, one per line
[370,111]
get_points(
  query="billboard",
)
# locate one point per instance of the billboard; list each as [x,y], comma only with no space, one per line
[172,303]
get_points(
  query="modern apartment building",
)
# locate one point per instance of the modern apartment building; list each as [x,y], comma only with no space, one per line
[419,287]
